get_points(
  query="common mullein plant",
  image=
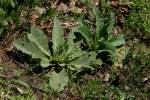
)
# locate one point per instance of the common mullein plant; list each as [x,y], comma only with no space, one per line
[63,53]
[102,42]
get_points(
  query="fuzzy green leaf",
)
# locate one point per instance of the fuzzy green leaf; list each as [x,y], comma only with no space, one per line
[30,48]
[71,38]
[45,62]
[37,36]
[57,35]
[99,22]
[117,41]
[111,22]
[84,30]
[86,61]
[58,81]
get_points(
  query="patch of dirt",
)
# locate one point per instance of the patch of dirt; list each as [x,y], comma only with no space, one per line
[6,45]
[5,60]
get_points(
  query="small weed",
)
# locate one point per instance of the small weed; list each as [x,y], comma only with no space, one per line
[138,19]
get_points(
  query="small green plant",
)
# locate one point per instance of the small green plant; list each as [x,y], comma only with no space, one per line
[19,89]
[138,18]
[10,11]
[93,90]
[101,41]
[6,7]
[63,53]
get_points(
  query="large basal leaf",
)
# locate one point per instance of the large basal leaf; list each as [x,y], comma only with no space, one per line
[103,25]
[71,44]
[84,61]
[37,36]
[84,30]
[74,52]
[71,50]
[110,22]
[58,81]
[31,49]
[99,22]
[71,37]
[57,35]
[117,41]
[45,62]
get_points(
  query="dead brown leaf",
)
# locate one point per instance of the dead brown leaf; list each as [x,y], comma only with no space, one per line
[62,7]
